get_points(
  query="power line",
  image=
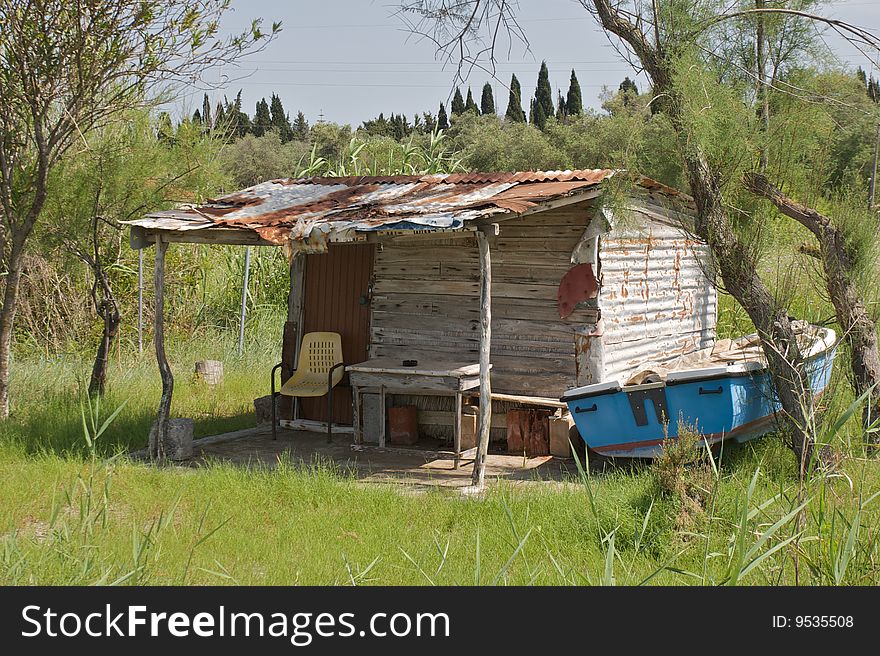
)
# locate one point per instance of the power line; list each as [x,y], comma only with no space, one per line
[359,84]
[416,63]
[399,71]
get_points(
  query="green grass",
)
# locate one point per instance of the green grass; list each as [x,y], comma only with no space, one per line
[80,521]
[71,515]
[47,396]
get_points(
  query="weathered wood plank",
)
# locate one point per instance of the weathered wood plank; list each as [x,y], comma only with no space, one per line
[525,290]
[446,418]
[485,413]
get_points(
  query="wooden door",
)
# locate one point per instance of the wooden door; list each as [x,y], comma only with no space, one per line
[336,298]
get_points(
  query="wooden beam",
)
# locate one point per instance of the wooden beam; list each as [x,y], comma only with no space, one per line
[485,416]
[158,451]
[542,206]
[530,400]
[143,237]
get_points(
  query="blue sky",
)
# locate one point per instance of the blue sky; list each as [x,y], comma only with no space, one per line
[348,60]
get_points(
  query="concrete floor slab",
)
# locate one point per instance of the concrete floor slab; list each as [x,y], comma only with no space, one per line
[413,466]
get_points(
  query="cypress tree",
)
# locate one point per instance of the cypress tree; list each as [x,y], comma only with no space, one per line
[280,120]
[873,89]
[220,120]
[515,111]
[442,118]
[629,91]
[538,118]
[206,112]
[262,118]
[561,112]
[241,122]
[574,104]
[470,105]
[300,127]
[487,101]
[197,117]
[543,93]
[165,129]
[457,103]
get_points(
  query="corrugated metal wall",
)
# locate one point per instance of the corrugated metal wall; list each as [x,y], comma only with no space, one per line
[656,299]
[333,288]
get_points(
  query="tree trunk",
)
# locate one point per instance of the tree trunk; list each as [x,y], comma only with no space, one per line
[158,450]
[736,264]
[859,329]
[7,321]
[739,271]
[110,314]
[763,97]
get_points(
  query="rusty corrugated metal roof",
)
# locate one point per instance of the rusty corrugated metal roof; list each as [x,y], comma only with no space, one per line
[317,210]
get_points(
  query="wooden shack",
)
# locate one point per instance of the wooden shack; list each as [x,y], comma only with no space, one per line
[538,275]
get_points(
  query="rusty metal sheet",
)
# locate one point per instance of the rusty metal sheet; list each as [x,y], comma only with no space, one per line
[655,296]
[316,211]
[578,284]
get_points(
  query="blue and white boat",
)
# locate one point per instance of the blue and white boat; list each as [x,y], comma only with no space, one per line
[724,392]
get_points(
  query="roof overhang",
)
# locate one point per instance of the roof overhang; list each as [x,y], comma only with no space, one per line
[309,214]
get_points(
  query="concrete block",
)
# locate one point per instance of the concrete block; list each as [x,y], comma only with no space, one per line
[263,410]
[178,442]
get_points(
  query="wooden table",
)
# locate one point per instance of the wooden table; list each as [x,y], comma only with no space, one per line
[429,377]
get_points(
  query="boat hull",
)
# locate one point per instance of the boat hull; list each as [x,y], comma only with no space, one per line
[720,403]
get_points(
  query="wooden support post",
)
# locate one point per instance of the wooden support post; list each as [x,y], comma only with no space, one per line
[158,451]
[287,405]
[382,416]
[356,415]
[485,418]
[456,439]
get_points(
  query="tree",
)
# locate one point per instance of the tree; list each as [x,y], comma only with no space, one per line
[442,119]
[399,126]
[126,172]
[574,104]
[667,40]
[487,101]
[561,113]
[220,118]
[262,118]
[165,128]
[206,113]
[67,68]
[300,127]
[458,105]
[279,119]
[628,91]
[470,105]
[543,93]
[429,123]
[537,117]
[515,111]
[237,123]
[378,126]
[837,252]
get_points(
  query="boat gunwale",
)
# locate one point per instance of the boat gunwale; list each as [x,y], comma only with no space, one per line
[737,370]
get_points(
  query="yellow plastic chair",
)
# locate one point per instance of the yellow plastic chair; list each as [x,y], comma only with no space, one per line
[319,370]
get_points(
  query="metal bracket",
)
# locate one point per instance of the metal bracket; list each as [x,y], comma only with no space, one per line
[657,396]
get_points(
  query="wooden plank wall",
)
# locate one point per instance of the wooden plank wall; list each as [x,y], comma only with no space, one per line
[426,300]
